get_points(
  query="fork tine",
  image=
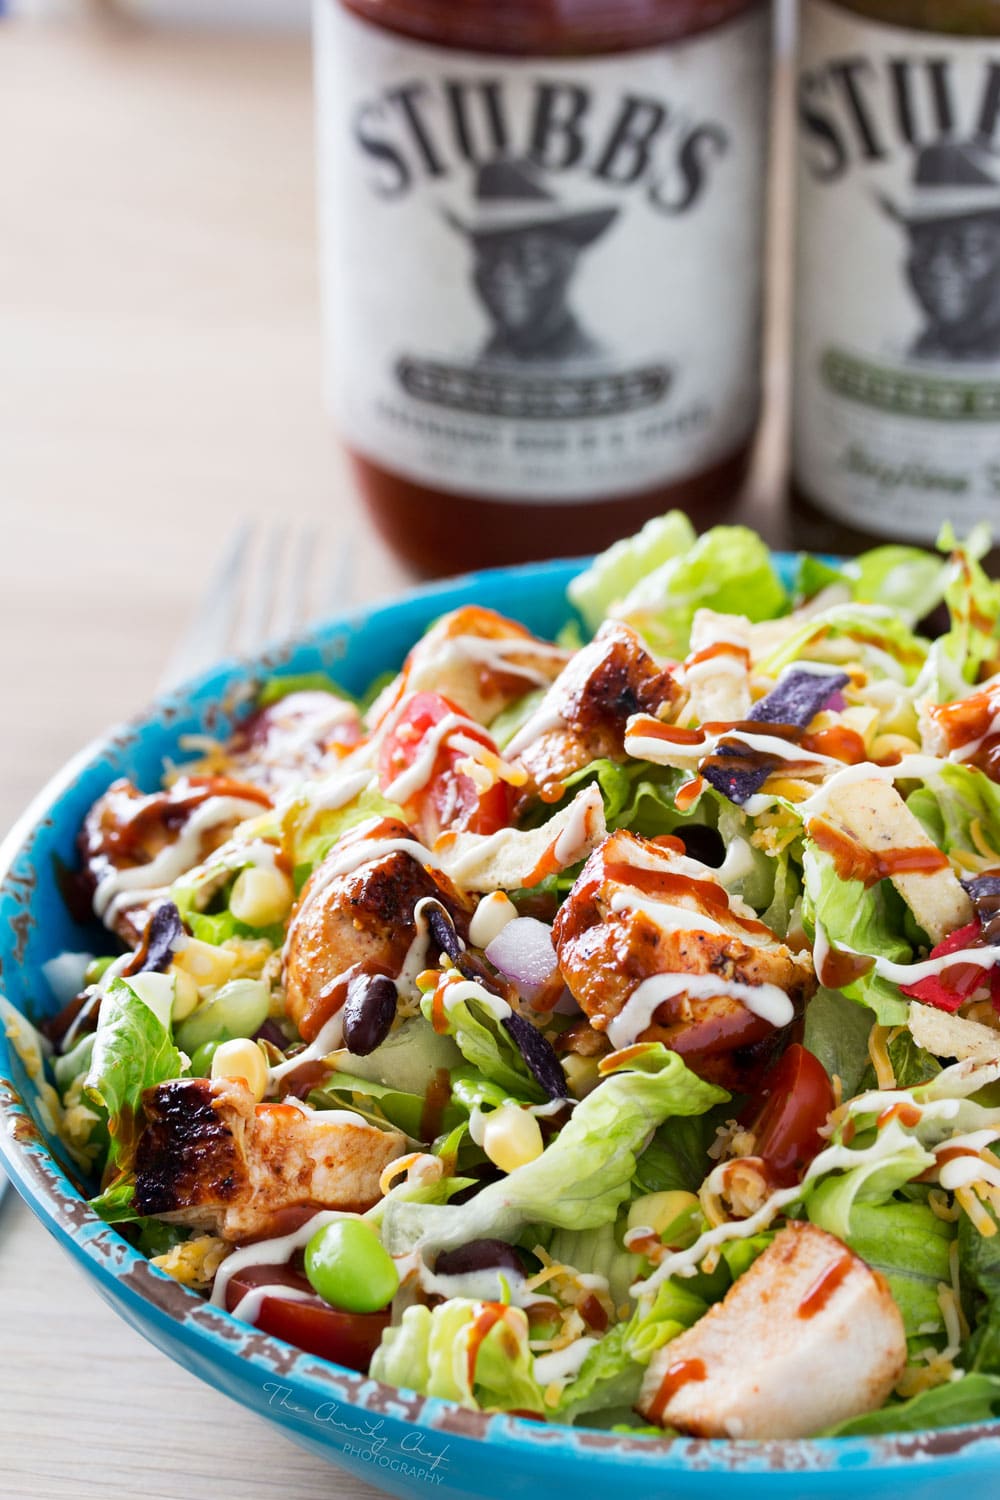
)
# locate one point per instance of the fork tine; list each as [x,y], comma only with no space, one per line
[212,627]
[293,606]
[261,585]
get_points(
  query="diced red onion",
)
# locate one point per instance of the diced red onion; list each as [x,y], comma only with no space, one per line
[524,954]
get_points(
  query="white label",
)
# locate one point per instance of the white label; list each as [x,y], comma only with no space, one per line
[542,277]
[897,376]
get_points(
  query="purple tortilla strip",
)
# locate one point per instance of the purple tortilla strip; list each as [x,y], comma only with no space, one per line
[165,927]
[543,1065]
[795,701]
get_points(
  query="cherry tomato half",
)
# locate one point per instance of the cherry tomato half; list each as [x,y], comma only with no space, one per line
[313,1325]
[798,1098]
[447,798]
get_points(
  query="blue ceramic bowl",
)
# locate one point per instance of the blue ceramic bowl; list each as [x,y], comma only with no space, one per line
[406,1443]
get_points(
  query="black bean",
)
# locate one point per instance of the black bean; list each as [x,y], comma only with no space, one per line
[479,1255]
[442,930]
[369,1011]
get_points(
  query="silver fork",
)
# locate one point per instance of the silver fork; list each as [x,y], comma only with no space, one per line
[270,582]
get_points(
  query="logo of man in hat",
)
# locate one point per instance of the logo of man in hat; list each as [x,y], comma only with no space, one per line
[953,222]
[526,247]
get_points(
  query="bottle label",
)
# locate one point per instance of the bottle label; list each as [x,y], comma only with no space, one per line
[542,276]
[897,346]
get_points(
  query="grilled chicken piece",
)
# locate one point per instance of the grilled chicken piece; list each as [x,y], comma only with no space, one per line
[583,715]
[874,815]
[356,913]
[300,737]
[478,660]
[640,910]
[134,845]
[209,1157]
[808,1337]
[717,670]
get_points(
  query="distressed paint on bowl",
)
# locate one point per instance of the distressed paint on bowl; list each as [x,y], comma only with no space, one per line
[406,1443]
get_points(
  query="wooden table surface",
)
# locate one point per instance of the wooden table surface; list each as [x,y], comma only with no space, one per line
[160,372]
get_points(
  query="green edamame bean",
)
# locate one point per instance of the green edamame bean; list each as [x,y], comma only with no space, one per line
[349,1268]
[238,1008]
[96,968]
[201,1062]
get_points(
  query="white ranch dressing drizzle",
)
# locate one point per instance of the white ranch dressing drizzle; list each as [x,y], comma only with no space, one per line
[416,775]
[331,792]
[767,1001]
[119,888]
[415,961]
[469,989]
[545,718]
[495,654]
[685,1262]
[366,851]
[928,968]
[726,664]
[562,1364]
[272,1252]
[669,753]
[963,1171]
[247,1309]
[668,918]
[916,767]
[329,1038]
[484,1285]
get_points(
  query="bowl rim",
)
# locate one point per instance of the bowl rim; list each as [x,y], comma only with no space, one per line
[126,1276]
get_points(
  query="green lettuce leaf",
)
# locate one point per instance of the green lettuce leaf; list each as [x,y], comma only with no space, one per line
[599,1252]
[869,625]
[309,836]
[583,1177]
[979,1264]
[379,1104]
[489,1047]
[949,803]
[907,1242]
[428,1352]
[133,1051]
[599,589]
[867,919]
[972,1398]
[677,1156]
[729,569]
[973,602]
[906,579]
[837,1032]
[276,688]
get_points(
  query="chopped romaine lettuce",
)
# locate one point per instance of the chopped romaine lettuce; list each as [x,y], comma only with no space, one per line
[581,1180]
[473,1353]
[133,1051]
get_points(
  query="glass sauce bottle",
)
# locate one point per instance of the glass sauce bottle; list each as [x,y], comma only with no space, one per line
[541,227]
[896,420]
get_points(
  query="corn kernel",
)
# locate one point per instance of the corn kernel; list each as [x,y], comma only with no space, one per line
[206,963]
[261,897]
[242,1058]
[490,918]
[511,1137]
[657,1211]
[186,994]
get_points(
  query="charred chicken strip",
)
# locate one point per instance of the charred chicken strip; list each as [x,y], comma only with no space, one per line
[584,714]
[210,1158]
[133,845]
[654,949]
[356,913]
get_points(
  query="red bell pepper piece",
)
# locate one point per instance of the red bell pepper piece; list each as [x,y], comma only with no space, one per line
[956,983]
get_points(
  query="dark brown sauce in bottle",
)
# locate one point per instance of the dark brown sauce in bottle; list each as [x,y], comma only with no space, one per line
[470,458]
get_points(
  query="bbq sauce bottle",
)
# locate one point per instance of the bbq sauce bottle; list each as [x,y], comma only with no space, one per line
[541,228]
[896,423]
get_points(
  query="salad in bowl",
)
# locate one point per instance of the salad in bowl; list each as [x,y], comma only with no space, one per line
[605,1030]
